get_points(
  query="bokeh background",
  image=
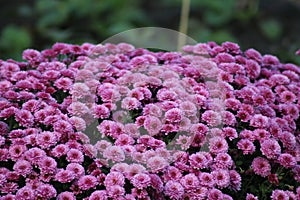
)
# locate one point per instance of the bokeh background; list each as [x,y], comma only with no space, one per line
[270,26]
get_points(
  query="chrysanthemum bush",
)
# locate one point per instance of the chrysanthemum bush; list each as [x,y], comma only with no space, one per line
[115,122]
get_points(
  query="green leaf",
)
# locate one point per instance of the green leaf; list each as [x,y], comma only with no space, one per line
[271,28]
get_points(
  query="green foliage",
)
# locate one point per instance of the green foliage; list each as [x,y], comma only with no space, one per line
[14,40]
[250,23]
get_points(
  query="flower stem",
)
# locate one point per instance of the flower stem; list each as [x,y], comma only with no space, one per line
[183,26]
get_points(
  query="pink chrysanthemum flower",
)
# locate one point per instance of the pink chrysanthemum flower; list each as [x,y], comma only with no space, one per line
[230,133]
[46,139]
[261,166]
[129,103]
[215,194]
[98,195]
[270,148]
[259,121]
[66,196]
[173,115]
[156,163]
[87,182]
[115,191]
[64,176]
[206,179]
[46,191]
[279,195]
[22,167]
[200,160]
[141,180]
[101,111]
[189,181]
[102,145]
[184,141]
[235,180]
[223,161]
[174,190]
[75,155]
[115,153]
[251,197]
[212,118]
[246,146]
[78,123]
[25,193]
[25,118]
[218,145]
[76,168]
[17,151]
[60,150]
[153,125]
[287,160]
[114,178]
[221,177]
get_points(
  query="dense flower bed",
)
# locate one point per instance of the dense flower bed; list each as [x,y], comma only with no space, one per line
[115,122]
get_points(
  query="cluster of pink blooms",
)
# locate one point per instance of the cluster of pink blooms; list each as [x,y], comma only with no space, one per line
[212,122]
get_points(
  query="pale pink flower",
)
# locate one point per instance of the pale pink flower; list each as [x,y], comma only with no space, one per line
[156,163]
[212,118]
[114,153]
[153,125]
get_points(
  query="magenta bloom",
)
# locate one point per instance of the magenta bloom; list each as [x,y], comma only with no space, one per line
[115,153]
[270,148]
[251,197]
[66,196]
[174,190]
[261,166]
[46,191]
[174,115]
[22,167]
[218,145]
[200,160]
[114,178]
[46,139]
[87,182]
[189,181]
[221,177]
[246,146]
[75,155]
[25,193]
[99,195]
[76,168]
[279,195]
[206,179]
[259,121]
[287,160]
[141,180]
[25,118]
[64,176]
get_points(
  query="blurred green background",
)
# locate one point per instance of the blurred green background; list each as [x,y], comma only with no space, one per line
[270,26]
